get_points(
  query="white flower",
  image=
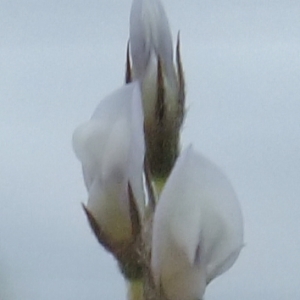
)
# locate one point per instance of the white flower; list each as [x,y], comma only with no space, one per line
[197,229]
[150,41]
[111,149]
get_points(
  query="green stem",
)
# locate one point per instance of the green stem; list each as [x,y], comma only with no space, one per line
[159,184]
[135,290]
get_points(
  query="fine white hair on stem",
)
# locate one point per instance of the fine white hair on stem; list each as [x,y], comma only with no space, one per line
[197,229]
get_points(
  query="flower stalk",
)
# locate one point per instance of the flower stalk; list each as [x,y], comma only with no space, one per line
[171,220]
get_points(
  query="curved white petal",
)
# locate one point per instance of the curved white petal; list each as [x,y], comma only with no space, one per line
[87,144]
[197,230]
[150,34]
[111,149]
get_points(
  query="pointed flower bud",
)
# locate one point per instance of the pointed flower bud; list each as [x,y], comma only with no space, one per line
[197,229]
[150,38]
[111,149]
[162,87]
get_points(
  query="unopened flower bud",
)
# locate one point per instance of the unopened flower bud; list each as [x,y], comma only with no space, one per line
[162,85]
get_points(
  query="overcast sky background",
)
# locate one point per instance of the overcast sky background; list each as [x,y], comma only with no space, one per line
[58,59]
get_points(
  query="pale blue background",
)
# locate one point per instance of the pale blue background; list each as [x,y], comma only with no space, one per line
[59,58]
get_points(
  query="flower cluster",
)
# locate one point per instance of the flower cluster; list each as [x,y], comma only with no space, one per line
[176,242]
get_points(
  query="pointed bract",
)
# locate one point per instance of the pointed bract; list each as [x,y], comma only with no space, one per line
[111,149]
[197,230]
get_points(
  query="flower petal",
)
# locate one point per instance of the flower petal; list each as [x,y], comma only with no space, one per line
[198,223]
[111,149]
